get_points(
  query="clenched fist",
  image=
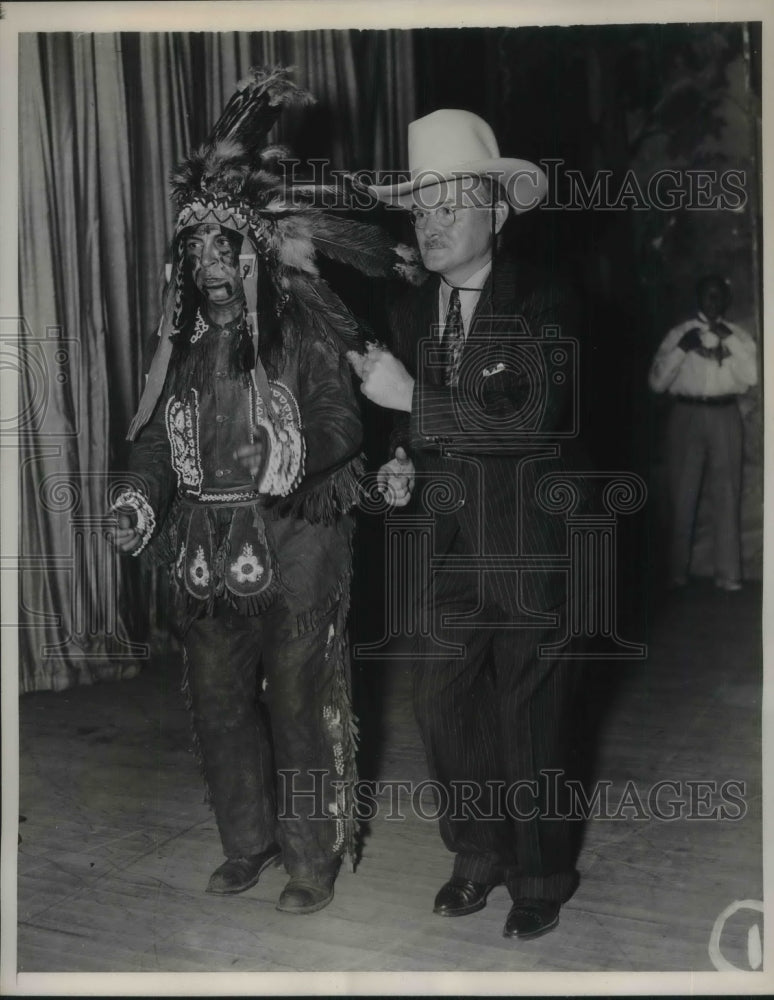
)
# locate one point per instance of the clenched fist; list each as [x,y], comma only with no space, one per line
[127,538]
[690,341]
[396,478]
[385,379]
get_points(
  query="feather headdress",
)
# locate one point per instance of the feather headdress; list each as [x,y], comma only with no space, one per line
[236,180]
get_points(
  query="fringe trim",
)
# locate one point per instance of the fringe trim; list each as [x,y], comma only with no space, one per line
[190,608]
[324,503]
[342,706]
[344,749]
[162,549]
[309,619]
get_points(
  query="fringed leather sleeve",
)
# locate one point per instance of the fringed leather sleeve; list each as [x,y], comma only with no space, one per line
[333,433]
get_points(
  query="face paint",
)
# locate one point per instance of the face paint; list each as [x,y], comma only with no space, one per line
[211,253]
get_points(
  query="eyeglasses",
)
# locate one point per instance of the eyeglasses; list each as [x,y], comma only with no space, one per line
[445,214]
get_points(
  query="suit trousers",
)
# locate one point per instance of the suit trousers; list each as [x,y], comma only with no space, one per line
[496,723]
[705,441]
[247,737]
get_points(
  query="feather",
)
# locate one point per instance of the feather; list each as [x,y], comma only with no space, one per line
[365,247]
[317,310]
[277,206]
[290,240]
[259,187]
[255,107]
[272,156]
[409,266]
[358,244]
[346,192]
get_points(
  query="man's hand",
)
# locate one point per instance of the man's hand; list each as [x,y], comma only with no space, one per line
[720,328]
[690,341]
[395,479]
[251,455]
[385,379]
[127,538]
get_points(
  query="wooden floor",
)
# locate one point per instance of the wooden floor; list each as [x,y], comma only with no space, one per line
[117,844]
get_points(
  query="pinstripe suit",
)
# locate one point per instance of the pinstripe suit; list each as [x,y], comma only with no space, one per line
[497,714]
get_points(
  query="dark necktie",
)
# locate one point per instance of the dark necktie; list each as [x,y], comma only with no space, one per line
[453,339]
[719,351]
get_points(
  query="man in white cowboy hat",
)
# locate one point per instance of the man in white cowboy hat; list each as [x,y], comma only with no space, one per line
[477,406]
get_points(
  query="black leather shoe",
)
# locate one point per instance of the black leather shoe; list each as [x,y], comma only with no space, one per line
[529,918]
[460,896]
[304,894]
[238,874]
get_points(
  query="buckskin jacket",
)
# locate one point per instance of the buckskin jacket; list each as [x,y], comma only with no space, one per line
[226,534]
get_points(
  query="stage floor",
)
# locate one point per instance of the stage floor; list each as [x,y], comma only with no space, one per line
[117,843]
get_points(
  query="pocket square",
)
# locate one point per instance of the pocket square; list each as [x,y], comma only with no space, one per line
[494,370]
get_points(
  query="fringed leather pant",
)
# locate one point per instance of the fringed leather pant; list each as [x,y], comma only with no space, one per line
[271,718]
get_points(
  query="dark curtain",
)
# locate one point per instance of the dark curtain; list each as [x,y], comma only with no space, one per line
[103,119]
[620,98]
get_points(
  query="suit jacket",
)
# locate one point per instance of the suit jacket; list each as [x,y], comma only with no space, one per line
[495,435]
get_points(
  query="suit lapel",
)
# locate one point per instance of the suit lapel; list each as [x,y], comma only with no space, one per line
[428,321]
[489,309]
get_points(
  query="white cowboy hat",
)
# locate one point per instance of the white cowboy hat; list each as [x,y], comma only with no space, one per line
[450,143]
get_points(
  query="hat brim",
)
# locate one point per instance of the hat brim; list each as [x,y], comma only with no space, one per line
[524,183]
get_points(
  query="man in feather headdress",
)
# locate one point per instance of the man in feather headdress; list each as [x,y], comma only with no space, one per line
[247,442]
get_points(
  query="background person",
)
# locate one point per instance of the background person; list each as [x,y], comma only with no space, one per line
[704,365]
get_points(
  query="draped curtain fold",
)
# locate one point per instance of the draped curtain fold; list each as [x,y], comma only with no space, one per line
[103,119]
